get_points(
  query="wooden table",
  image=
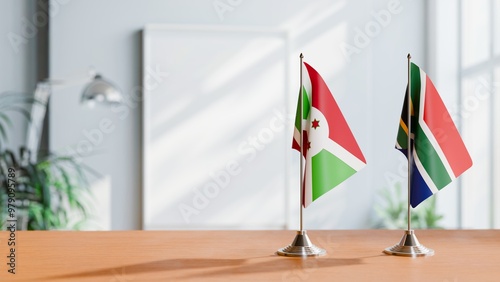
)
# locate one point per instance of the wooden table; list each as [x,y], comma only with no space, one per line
[461,255]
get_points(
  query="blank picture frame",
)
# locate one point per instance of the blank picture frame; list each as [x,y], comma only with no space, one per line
[216,129]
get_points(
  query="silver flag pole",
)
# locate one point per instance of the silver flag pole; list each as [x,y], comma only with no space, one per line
[301,245]
[409,246]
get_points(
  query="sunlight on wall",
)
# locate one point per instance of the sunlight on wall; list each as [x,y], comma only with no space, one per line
[198,158]
[218,147]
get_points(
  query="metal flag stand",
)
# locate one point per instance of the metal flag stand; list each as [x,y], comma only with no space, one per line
[409,245]
[301,245]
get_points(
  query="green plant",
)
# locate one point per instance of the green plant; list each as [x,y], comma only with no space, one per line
[51,192]
[392,212]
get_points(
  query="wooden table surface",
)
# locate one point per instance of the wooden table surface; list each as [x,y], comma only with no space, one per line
[461,255]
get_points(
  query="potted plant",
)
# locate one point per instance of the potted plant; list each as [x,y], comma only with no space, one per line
[50,193]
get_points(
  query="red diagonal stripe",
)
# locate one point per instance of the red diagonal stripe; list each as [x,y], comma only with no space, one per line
[439,121]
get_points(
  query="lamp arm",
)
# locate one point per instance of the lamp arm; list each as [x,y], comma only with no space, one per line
[98,87]
[38,111]
[66,82]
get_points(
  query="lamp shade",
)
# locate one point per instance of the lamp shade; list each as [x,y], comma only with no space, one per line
[101,90]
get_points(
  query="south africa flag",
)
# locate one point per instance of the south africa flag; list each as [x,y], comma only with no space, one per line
[438,153]
[332,154]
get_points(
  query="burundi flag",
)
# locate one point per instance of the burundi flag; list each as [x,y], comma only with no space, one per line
[331,153]
[438,153]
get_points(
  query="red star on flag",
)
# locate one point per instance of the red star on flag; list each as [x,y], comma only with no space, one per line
[315,123]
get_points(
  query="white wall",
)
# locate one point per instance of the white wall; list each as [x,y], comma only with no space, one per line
[369,86]
[18,57]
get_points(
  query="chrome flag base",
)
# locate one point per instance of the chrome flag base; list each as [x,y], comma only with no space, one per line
[409,247]
[301,247]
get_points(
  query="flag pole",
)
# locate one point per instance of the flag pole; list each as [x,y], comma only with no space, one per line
[301,245]
[301,147]
[408,152]
[409,246]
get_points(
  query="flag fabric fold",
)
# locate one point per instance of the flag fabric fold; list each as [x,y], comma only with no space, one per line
[330,150]
[438,153]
